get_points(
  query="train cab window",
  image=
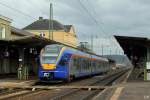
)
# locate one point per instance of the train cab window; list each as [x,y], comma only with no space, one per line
[48,60]
[64,60]
[52,49]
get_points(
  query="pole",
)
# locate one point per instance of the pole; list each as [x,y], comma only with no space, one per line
[92,42]
[102,49]
[51,22]
[116,51]
[21,63]
[110,51]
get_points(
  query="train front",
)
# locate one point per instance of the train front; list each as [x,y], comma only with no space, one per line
[49,57]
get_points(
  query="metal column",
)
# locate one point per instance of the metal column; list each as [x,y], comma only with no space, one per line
[147,66]
[22,69]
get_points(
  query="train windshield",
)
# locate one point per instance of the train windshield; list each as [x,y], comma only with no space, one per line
[49,60]
[50,54]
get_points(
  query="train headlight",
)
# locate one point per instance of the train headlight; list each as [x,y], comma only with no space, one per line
[46,74]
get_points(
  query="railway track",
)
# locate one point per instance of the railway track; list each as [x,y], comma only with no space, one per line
[88,94]
[82,89]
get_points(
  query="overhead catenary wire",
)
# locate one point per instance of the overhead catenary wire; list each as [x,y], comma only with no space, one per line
[103,23]
[96,14]
[36,5]
[92,17]
[100,23]
[95,20]
[16,10]
[17,23]
[94,11]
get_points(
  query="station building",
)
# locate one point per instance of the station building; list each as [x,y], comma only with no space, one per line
[20,48]
[61,33]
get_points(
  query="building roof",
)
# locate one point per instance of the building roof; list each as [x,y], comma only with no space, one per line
[5,18]
[43,24]
[20,32]
[67,27]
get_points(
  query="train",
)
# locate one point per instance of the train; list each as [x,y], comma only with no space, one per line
[59,62]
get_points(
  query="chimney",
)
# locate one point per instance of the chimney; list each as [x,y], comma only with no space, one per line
[40,18]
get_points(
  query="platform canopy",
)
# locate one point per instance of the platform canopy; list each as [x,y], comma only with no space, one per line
[26,39]
[134,47]
[140,41]
[31,41]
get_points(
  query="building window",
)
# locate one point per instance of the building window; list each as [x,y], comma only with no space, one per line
[42,34]
[2,33]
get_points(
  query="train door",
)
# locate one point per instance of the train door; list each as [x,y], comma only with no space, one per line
[75,68]
[92,66]
[72,66]
[64,65]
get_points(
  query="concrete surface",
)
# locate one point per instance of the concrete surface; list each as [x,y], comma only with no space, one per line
[132,91]
[15,82]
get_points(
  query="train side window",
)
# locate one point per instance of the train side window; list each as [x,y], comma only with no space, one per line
[89,64]
[74,61]
[80,62]
[99,64]
[77,63]
[85,64]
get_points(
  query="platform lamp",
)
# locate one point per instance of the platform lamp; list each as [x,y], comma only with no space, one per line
[6,53]
[35,52]
[30,50]
[92,41]
[103,46]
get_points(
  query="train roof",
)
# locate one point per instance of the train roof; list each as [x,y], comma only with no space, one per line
[91,53]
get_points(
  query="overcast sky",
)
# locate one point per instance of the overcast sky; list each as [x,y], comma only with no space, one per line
[121,17]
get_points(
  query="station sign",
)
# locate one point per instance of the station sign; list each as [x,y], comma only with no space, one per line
[148,70]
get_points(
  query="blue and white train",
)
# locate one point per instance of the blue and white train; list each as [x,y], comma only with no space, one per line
[65,63]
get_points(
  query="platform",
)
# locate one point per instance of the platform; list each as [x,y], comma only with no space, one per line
[132,91]
[10,82]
